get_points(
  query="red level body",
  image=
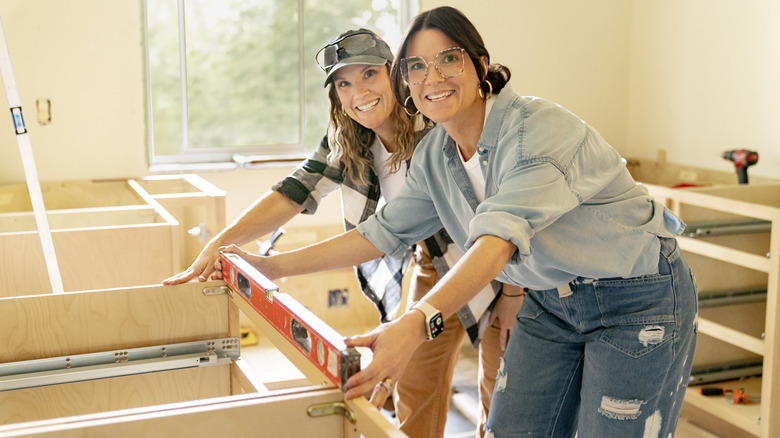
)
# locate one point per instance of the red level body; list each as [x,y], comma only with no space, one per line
[315,340]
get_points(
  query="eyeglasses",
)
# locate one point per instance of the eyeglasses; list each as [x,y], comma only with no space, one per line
[449,63]
[344,47]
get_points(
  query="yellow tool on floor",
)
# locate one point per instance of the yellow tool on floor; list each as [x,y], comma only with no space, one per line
[248,337]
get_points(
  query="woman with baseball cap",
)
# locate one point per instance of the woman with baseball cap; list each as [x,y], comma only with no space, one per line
[366,151]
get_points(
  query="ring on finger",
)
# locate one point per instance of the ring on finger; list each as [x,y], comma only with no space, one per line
[387,384]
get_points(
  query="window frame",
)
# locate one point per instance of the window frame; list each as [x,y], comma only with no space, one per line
[229,157]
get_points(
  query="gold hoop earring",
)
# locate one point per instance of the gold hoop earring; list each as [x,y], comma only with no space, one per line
[480,93]
[344,111]
[406,101]
[490,89]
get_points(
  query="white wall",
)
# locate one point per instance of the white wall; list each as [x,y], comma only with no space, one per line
[694,77]
[85,56]
[705,78]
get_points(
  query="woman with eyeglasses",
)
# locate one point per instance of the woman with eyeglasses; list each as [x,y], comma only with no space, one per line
[369,142]
[603,344]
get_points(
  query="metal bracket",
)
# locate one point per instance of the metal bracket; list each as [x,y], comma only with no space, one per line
[106,364]
[727,298]
[218,290]
[720,228]
[335,408]
[726,371]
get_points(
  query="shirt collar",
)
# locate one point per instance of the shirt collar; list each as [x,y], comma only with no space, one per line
[494,117]
[494,111]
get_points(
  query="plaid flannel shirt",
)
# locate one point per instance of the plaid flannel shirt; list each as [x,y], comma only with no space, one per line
[380,279]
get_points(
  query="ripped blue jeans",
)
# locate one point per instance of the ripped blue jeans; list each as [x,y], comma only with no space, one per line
[612,359]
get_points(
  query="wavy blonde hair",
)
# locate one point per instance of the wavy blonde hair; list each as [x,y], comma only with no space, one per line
[350,141]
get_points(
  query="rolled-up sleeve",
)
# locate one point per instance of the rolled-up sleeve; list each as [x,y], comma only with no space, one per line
[312,180]
[381,237]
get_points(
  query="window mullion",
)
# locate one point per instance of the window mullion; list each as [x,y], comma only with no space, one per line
[301,78]
[185,137]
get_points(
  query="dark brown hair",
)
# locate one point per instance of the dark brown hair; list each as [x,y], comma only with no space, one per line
[458,28]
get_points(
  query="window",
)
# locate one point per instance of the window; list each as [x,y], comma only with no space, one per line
[252,85]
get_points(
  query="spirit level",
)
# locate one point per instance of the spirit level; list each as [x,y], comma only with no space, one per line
[315,340]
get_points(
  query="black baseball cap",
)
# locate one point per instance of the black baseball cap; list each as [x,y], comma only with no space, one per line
[360,46]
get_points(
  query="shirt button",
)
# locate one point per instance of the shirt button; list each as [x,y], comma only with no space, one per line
[484,163]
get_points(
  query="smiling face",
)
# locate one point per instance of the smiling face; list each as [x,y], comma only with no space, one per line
[447,101]
[365,94]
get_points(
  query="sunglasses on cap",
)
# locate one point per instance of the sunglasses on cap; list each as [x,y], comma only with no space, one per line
[357,43]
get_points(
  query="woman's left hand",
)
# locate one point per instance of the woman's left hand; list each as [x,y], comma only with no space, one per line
[505,310]
[393,344]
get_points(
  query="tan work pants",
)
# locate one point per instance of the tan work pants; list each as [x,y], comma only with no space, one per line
[422,396]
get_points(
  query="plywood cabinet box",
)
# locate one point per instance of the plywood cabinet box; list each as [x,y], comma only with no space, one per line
[106,233]
[732,243]
[213,399]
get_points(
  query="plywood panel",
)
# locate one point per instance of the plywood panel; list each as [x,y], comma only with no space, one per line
[59,195]
[104,395]
[198,401]
[133,215]
[116,257]
[113,227]
[89,259]
[240,416]
[85,322]
[196,204]
[24,269]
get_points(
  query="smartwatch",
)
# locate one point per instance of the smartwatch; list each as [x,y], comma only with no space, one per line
[434,323]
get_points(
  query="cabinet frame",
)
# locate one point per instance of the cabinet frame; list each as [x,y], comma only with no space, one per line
[220,400]
[760,201]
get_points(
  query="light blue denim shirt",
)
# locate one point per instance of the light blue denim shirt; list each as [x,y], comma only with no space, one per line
[553,187]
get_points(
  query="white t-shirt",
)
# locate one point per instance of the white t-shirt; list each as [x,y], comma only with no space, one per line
[389,183]
[476,178]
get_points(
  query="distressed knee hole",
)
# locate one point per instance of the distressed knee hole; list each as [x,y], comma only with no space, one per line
[651,335]
[617,409]
[501,377]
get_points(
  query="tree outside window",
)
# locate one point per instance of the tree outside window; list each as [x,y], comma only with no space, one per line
[252,85]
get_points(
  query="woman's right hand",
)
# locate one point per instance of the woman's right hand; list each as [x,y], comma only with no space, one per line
[392,345]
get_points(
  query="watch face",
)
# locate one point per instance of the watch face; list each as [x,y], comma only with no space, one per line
[437,325]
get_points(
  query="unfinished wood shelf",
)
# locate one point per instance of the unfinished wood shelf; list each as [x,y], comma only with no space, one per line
[106,233]
[228,399]
[747,260]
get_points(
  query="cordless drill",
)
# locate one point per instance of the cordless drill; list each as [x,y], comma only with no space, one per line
[742,159]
